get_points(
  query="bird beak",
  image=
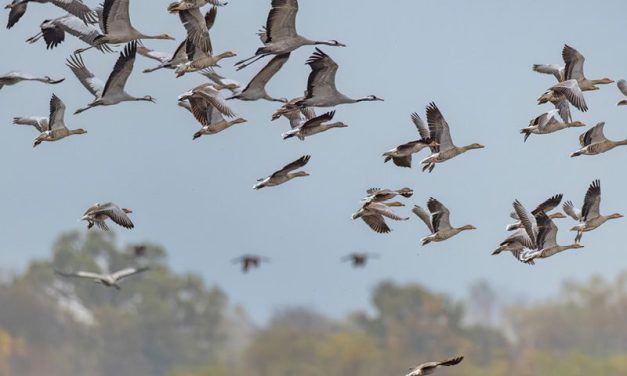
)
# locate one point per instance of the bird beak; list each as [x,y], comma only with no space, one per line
[153,100]
[380,99]
[342,45]
[57,81]
[10,6]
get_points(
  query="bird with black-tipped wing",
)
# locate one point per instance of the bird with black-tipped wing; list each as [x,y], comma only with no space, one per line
[314,126]
[438,222]
[589,217]
[285,174]
[440,133]
[374,214]
[321,90]
[280,36]
[594,142]
[546,206]
[112,92]
[402,154]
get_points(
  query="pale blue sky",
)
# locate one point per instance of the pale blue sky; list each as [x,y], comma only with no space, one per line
[196,199]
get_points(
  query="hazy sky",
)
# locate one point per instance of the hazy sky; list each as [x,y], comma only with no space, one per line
[196,199]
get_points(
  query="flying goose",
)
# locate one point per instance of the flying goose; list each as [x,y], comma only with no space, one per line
[198,44]
[74,7]
[168,61]
[381,195]
[182,5]
[205,95]
[280,36]
[546,241]
[321,90]
[402,154]
[314,126]
[430,367]
[53,32]
[53,128]
[285,174]
[589,216]
[622,86]
[250,261]
[256,89]
[112,92]
[546,206]
[438,222]
[542,234]
[117,27]
[12,78]
[359,260]
[109,280]
[214,121]
[568,90]
[99,213]
[593,142]
[373,213]
[574,70]
[440,133]
[548,123]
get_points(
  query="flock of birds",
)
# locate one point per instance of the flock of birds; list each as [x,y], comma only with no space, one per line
[533,235]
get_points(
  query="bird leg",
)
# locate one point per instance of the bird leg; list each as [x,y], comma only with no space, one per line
[244,63]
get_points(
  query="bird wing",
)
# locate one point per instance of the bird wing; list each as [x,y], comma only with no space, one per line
[215,99]
[424,216]
[53,34]
[79,29]
[57,113]
[128,272]
[116,214]
[571,90]
[451,362]
[592,201]
[295,118]
[549,204]
[92,83]
[328,116]
[553,69]
[321,81]
[528,221]
[77,8]
[563,109]
[262,78]
[16,13]
[281,23]
[547,232]
[308,112]
[439,215]
[122,70]
[200,109]
[622,86]
[196,26]
[420,126]
[572,211]
[161,57]
[438,128]
[214,115]
[80,275]
[574,63]
[300,162]
[376,223]
[593,135]
[115,16]
[40,123]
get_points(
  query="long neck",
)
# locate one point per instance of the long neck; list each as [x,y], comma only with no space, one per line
[322,42]
[364,99]
[599,82]
[620,143]
[76,131]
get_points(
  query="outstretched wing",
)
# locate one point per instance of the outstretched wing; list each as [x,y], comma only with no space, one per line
[92,83]
[128,272]
[122,70]
[300,162]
